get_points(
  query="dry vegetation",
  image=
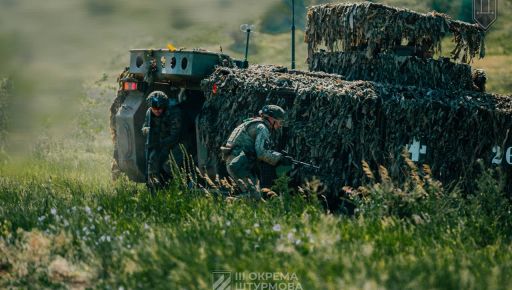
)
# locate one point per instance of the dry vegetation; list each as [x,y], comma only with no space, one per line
[64,224]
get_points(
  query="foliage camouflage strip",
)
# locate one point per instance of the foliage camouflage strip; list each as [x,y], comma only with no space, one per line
[336,123]
[389,68]
[379,28]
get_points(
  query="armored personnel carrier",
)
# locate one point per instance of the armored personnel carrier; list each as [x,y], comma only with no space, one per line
[378,91]
[175,72]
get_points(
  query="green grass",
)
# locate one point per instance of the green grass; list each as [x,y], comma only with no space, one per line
[65,224]
[66,231]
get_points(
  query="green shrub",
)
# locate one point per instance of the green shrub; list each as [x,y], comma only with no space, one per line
[101,7]
[489,210]
[278,18]
[4,113]
[179,18]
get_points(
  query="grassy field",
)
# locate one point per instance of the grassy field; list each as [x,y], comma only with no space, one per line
[59,229]
[65,224]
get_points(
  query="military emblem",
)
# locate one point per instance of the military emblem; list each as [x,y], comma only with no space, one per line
[221,280]
[485,12]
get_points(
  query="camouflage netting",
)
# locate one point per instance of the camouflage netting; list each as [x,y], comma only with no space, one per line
[378,28]
[336,123]
[399,70]
[114,108]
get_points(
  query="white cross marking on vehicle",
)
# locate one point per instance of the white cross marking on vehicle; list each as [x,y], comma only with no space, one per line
[415,149]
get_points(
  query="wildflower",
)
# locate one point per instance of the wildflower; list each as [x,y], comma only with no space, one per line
[99,208]
[247,231]
[87,210]
[256,225]
[290,236]
[146,226]
[297,242]
[41,218]
[105,238]
[228,223]
[53,211]
[276,228]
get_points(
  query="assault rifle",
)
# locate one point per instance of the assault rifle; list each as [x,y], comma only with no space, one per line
[147,145]
[151,182]
[297,163]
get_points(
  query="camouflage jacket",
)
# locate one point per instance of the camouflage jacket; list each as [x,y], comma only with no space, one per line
[166,130]
[253,137]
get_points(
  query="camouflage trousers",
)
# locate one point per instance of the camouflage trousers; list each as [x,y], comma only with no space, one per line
[240,166]
[159,161]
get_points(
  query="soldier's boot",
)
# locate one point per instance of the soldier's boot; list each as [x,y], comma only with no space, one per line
[153,183]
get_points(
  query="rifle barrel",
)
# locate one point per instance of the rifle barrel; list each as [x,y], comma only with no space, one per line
[147,147]
[306,164]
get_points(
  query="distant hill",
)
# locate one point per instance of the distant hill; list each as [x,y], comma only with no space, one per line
[55,46]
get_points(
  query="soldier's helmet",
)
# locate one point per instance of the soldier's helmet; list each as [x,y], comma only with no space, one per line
[273,111]
[158,99]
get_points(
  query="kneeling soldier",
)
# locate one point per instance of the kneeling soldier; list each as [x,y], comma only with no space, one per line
[250,143]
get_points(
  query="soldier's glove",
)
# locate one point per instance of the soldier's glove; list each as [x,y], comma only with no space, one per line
[286,161]
[145,130]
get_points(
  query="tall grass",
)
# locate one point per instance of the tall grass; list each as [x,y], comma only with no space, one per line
[74,233]
[64,224]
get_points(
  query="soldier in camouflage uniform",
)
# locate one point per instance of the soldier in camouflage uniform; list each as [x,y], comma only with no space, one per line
[250,143]
[163,123]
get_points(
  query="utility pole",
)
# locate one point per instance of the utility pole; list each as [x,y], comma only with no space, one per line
[293,34]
